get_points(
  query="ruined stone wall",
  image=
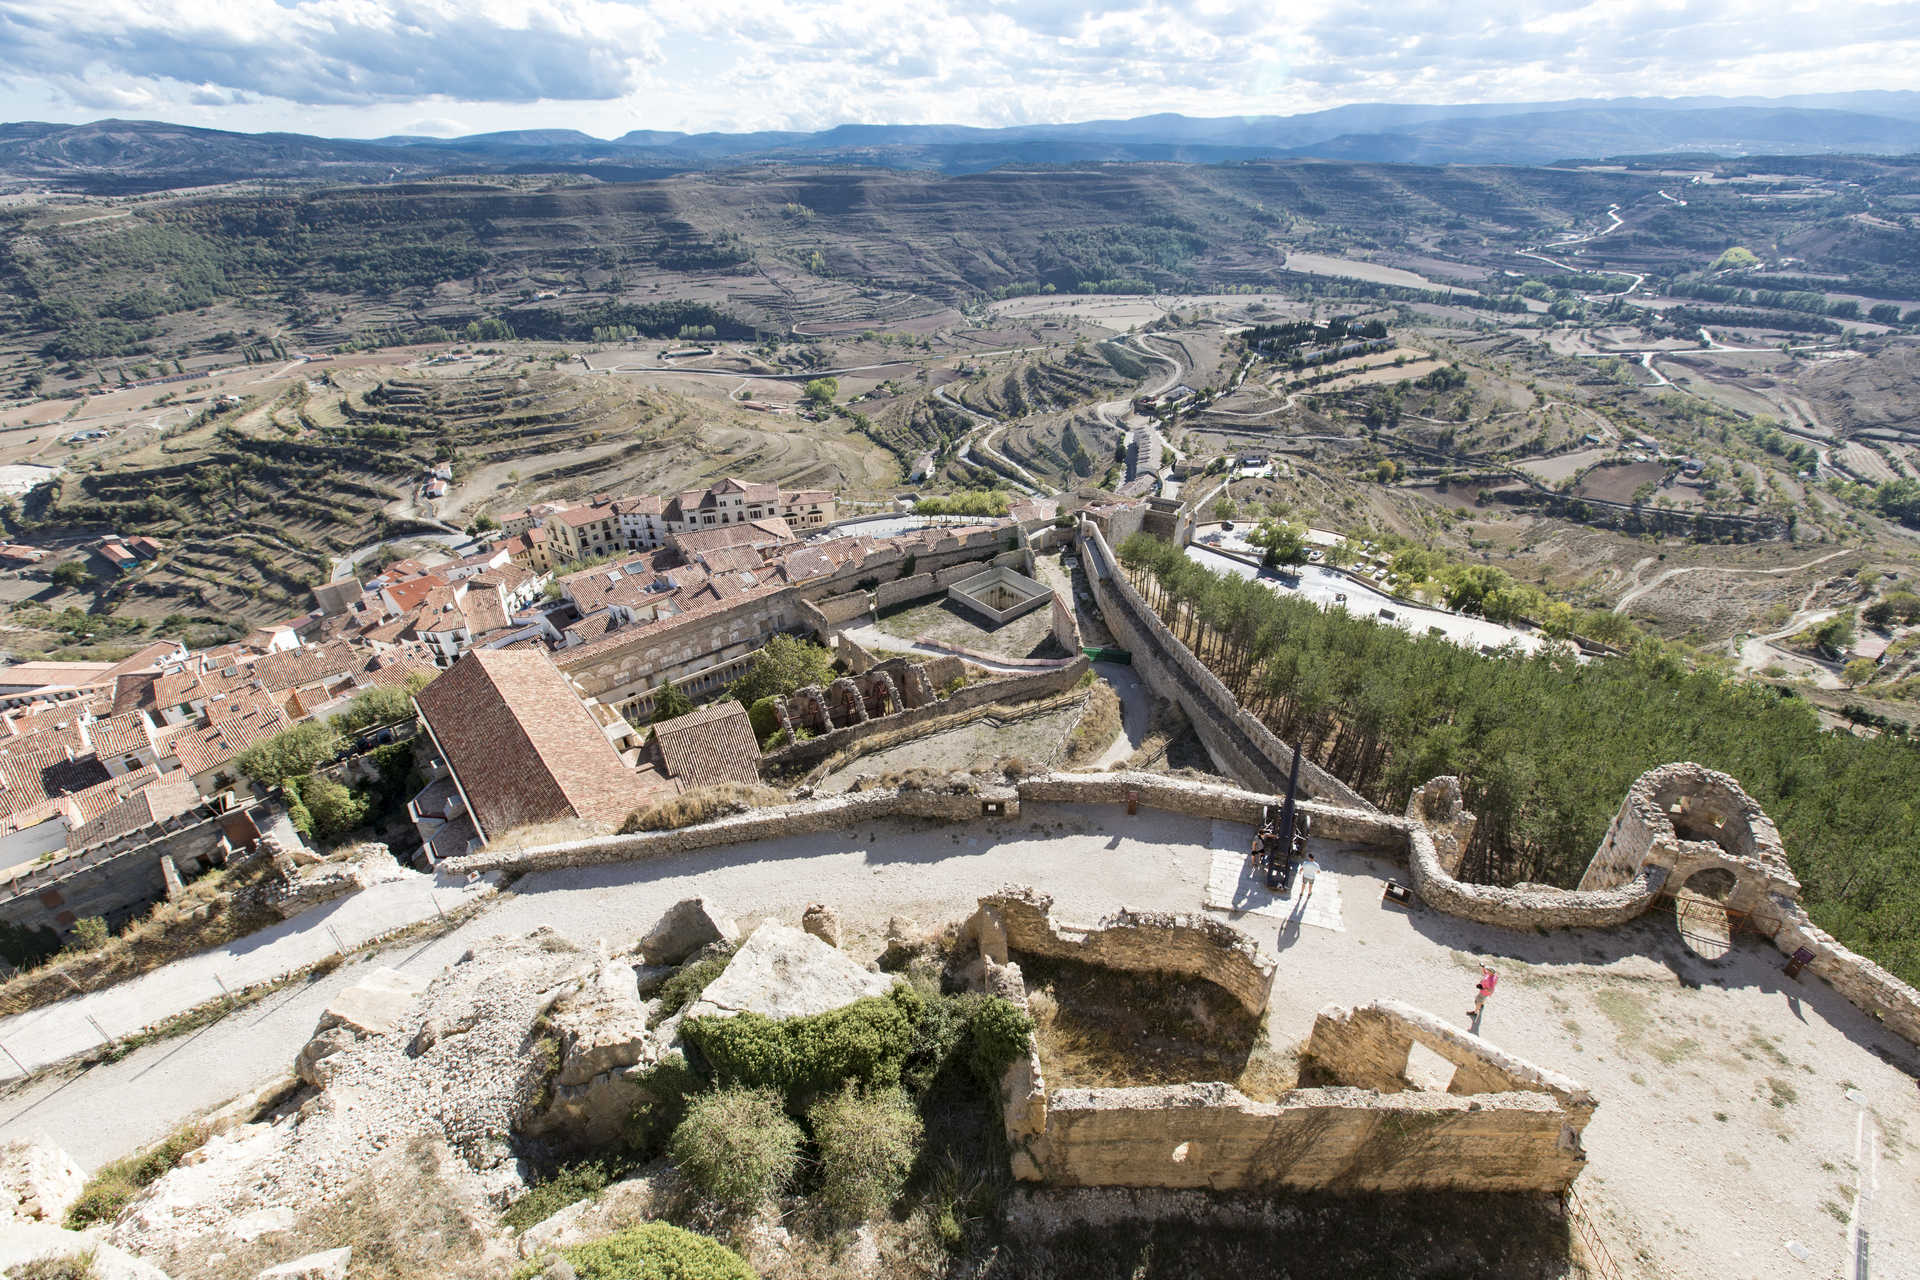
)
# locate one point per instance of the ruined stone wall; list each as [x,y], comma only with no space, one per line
[1066,628]
[803,818]
[1213,1136]
[1247,748]
[1686,818]
[845,607]
[1009,689]
[117,880]
[1019,922]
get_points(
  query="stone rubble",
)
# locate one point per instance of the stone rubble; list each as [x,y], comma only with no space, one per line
[38,1181]
[685,928]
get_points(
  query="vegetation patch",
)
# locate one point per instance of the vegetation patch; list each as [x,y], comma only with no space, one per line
[702,804]
[737,1147]
[115,1185]
[867,1143]
[651,1251]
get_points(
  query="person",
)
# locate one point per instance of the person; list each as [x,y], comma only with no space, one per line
[1482,989]
[1309,872]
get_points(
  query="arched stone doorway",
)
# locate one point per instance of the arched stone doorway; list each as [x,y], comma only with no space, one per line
[1700,912]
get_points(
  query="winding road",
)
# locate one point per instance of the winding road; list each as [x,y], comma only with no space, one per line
[1620,606]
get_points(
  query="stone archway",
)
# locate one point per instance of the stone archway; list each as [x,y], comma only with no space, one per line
[1700,912]
[1717,853]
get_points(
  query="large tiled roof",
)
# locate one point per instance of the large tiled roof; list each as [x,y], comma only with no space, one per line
[523,744]
[122,734]
[307,665]
[713,744]
[157,802]
[214,746]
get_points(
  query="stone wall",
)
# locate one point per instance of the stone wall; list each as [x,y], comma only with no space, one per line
[1009,689]
[1017,921]
[845,607]
[119,880]
[1066,628]
[1239,741]
[803,818]
[1212,1136]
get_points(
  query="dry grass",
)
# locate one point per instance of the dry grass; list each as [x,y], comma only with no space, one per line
[1101,1028]
[409,1217]
[537,835]
[997,712]
[702,804]
[1165,726]
[1099,725]
[213,911]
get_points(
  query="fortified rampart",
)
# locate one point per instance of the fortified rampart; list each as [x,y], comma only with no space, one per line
[1019,921]
[1529,907]
[1239,741]
[1503,1124]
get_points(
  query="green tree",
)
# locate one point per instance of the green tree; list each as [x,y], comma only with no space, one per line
[1284,543]
[291,753]
[822,392]
[73,575]
[89,934]
[670,701]
[784,665]
[1858,672]
[336,809]
[1224,509]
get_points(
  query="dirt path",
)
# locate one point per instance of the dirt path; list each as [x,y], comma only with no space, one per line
[1635,593]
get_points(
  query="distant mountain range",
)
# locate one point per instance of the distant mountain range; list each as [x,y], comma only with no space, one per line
[140,154]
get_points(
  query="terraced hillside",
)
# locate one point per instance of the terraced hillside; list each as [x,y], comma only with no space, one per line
[255,503]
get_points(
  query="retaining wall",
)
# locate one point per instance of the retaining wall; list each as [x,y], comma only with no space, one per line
[1248,749]
[844,607]
[1011,689]
[1019,921]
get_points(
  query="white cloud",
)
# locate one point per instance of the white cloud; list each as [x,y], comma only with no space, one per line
[376,66]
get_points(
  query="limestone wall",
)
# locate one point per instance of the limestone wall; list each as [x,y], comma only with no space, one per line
[803,818]
[1009,689]
[1066,628]
[1238,740]
[844,607]
[901,590]
[1211,1135]
[1018,922]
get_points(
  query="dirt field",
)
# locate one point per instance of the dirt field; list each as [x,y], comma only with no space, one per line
[1319,264]
[1619,484]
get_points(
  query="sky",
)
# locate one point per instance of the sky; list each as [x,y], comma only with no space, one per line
[367,68]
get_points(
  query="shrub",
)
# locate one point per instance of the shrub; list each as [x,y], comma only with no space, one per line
[89,933]
[693,977]
[867,1144]
[655,1251]
[566,1185]
[764,719]
[865,1043]
[114,1186]
[737,1147]
[334,809]
[666,1087]
[999,1030]
[291,753]
[68,1266]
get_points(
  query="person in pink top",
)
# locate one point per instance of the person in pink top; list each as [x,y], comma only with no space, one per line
[1482,989]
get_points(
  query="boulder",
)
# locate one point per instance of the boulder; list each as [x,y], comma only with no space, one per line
[329,1265]
[823,922]
[38,1181]
[780,972]
[372,1006]
[687,926]
[905,943]
[601,1025]
[25,1241]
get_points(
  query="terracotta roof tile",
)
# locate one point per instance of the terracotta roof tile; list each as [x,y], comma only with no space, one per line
[713,744]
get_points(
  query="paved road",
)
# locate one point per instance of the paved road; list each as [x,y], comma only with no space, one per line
[59,1031]
[1092,859]
[343,565]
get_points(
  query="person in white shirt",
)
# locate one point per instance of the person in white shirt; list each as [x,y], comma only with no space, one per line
[1309,872]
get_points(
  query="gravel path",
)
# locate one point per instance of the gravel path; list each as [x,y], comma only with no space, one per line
[59,1031]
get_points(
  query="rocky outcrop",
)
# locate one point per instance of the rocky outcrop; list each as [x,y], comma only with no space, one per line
[298,887]
[604,1049]
[780,972]
[823,922]
[328,1265]
[38,1181]
[372,1006]
[686,927]
[24,1241]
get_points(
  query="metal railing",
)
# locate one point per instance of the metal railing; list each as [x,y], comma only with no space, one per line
[1598,1255]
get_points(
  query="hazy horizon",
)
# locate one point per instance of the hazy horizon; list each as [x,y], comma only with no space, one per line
[372,68]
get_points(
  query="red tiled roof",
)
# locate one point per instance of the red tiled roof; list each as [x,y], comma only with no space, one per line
[713,744]
[121,735]
[201,750]
[523,744]
[307,665]
[155,803]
